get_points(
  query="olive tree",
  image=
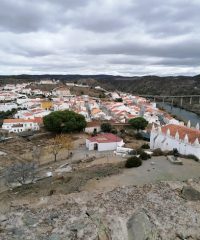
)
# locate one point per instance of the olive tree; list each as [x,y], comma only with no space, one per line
[138,123]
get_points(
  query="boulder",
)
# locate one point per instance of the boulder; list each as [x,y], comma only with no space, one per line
[139,227]
[190,193]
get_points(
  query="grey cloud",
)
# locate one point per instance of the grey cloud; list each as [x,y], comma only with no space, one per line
[93,36]
[182,49]
[29,16]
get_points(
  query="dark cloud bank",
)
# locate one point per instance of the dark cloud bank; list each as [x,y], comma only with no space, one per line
[131,37]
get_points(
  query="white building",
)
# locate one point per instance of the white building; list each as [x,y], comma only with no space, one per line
[93,126]
[21,125]
[47,81]
[8,106]
[104,142]
[61,92]
[22,99]
[185,139]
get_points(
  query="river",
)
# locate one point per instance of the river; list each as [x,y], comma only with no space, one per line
[180,113]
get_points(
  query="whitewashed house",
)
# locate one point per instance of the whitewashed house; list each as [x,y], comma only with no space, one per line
[104,142]
[93,126]
[61,92]
[8,106]
[22,99]
[21,125]
[184,138]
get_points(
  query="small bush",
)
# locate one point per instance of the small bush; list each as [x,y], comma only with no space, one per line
[145,156]
[133,162]
[122,131]
[138,136]
[114,131]
[139,151]
[158,152]
[145,146]
[193,157]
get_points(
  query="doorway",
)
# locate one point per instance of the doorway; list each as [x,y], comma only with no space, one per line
[96,146]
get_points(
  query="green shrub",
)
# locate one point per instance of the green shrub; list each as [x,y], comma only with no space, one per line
[145,146]
[158,152]
[193,157]
[133,162]
[106,127]
[138,136]
[114,131]
[139,151]
[145,156]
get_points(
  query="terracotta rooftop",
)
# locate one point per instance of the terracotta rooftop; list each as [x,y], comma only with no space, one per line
[21,120]
[105,138]
[182,131]
[93,124]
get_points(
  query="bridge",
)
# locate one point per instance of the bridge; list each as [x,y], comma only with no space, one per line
[181,97]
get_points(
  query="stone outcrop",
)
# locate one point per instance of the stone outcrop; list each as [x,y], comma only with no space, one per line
[153,212]
[190,193]
[139,227]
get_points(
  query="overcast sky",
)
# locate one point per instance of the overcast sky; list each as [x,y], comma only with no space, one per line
[125,37]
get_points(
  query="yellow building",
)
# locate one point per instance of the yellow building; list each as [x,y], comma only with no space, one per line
[46,105]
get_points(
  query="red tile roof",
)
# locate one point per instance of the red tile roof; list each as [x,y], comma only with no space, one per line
[105,138]
[22,120]
[182,131]
[93,124]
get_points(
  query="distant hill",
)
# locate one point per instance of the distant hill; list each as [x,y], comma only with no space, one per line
[139,85]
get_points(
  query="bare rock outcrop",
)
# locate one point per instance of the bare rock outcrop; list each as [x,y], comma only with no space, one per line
[153,211]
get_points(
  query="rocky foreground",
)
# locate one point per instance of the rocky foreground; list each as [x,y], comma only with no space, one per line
[167,210]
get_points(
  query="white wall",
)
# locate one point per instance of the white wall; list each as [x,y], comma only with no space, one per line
[8,106]
[104,146]
[168,143]
[25,126]
[91,129]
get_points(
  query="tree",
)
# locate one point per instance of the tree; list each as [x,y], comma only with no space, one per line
[64,121]
[21,172]
[106,127]
[133,162]
[138,123]
[118,100]
[68,144]
[60,142]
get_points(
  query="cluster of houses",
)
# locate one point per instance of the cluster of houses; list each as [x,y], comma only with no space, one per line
[167,132]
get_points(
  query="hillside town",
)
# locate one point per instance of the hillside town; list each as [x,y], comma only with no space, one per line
[66,146]
[31,105]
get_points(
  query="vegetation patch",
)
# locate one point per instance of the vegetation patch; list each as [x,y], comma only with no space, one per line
[133,162]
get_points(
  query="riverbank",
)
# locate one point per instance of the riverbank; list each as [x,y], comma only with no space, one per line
[180,113]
